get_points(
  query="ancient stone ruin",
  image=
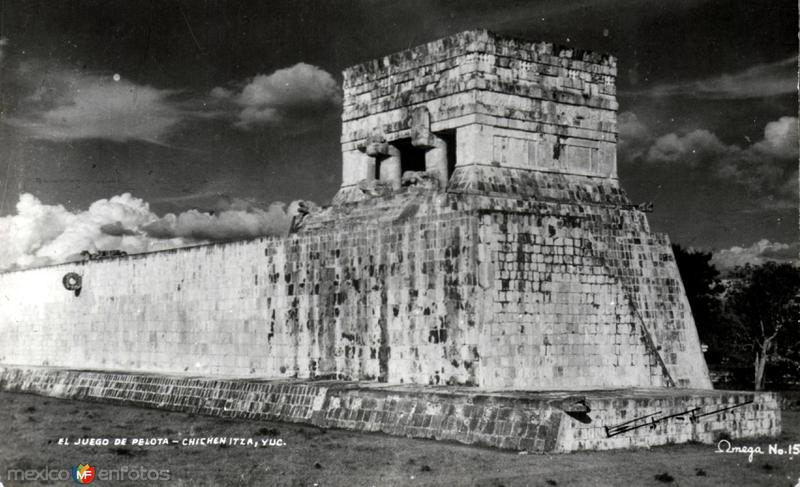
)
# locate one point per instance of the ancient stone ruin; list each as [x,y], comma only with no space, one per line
[480,277]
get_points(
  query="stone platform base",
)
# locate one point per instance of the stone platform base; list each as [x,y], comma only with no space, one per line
[516,420]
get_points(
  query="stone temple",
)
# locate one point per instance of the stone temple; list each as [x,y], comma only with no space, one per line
[480,277]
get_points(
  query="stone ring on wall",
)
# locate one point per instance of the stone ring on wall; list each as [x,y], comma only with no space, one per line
[72,281]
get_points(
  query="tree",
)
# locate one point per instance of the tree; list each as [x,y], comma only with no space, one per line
[762,305]
[703,289]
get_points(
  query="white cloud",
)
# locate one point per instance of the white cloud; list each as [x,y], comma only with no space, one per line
[763,167]
[756,254]
[780,139]
[223,225]
[634,136]
[630,128]
[65,105]
[40,234]
[691,149]
[74,105]
[299,90]
[762,80]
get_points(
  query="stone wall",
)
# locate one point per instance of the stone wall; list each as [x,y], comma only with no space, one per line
[585,296]
[530,421]
[517,261]
[421,287]
[519,104]
[538,82]
[394,303]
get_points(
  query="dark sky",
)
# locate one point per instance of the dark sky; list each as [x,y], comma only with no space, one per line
[178,102]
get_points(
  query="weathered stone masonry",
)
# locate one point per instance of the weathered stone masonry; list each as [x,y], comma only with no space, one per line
[487,298]
[325,305]
[479,242]
[537,422]
[530,270]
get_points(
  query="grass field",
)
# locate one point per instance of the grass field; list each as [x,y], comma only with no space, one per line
[30,428]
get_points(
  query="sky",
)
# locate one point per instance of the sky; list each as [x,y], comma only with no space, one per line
[152,124]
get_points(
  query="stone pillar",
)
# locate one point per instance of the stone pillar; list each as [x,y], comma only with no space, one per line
[357,166]
[436,160]
[369,167]
[389,167]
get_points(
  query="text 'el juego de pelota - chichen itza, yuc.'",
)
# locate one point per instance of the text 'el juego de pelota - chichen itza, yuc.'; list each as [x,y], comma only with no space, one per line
[479,277]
